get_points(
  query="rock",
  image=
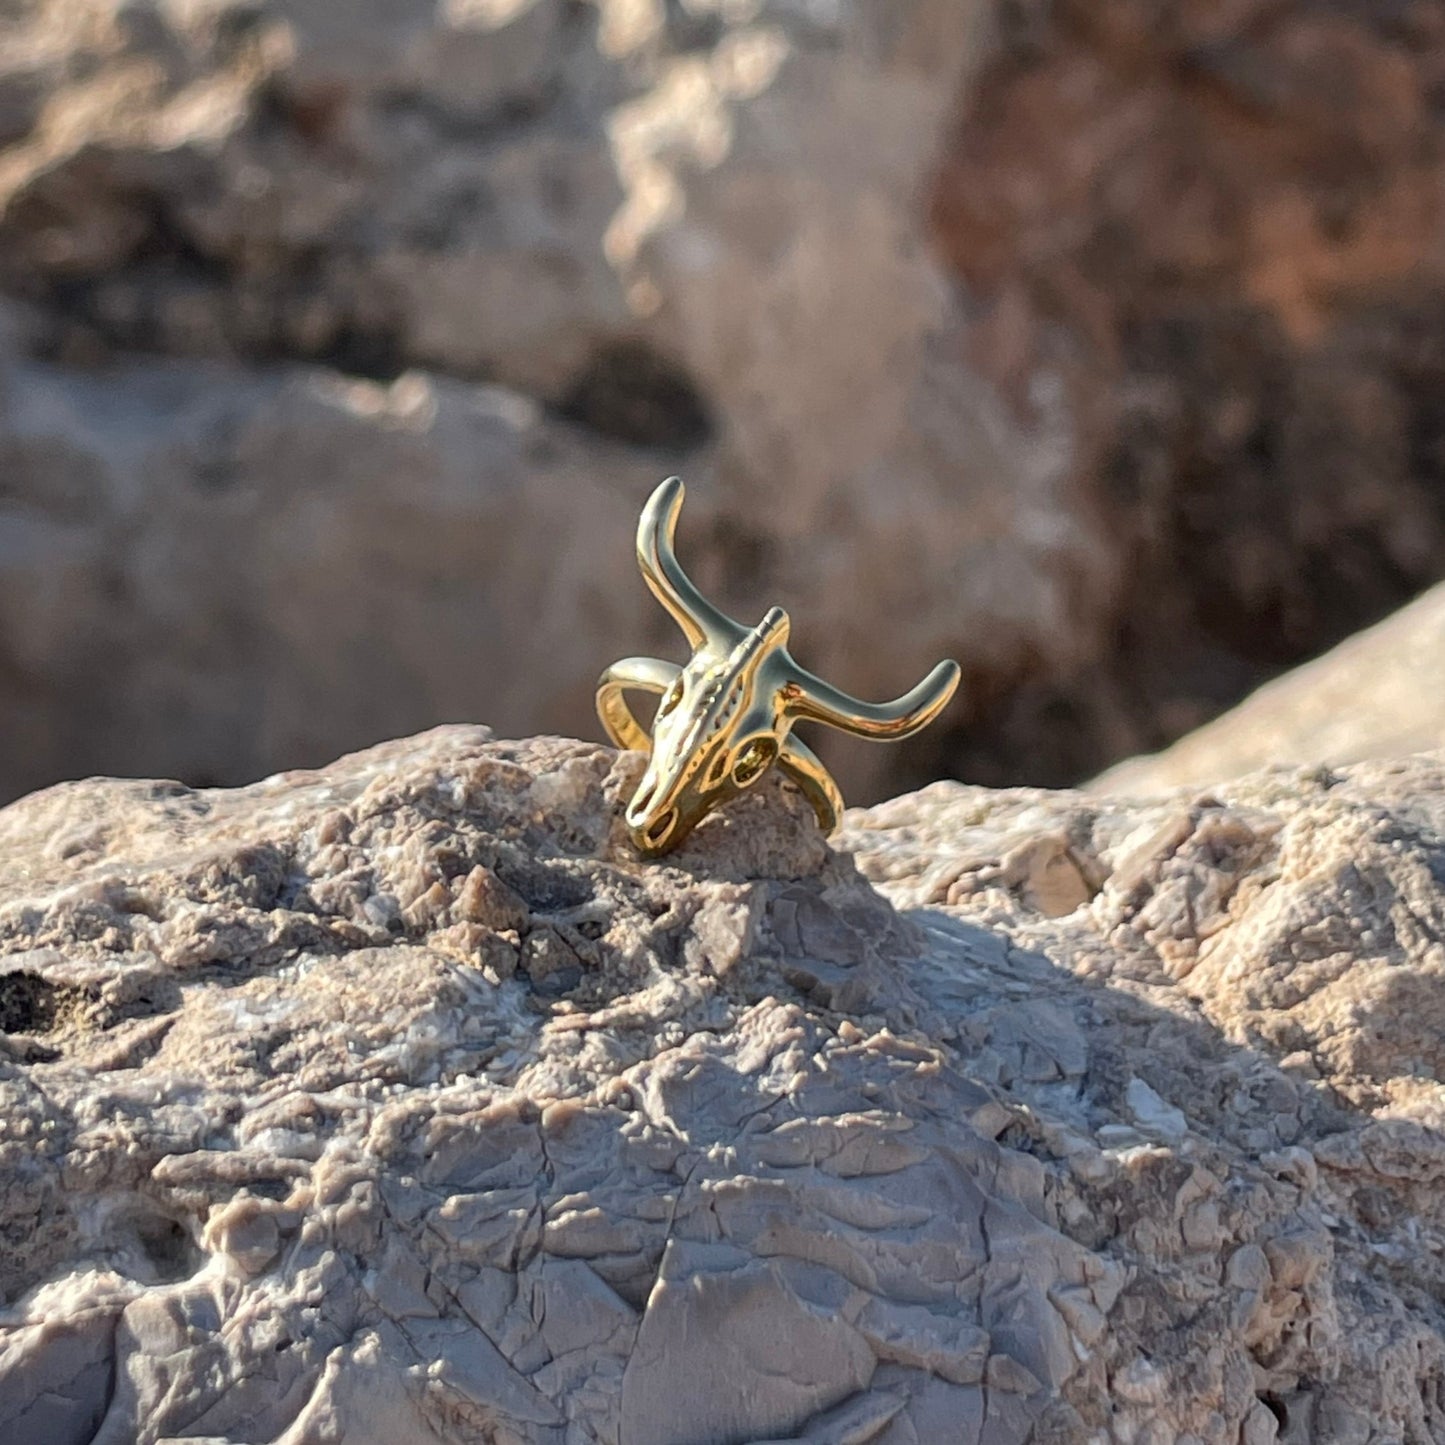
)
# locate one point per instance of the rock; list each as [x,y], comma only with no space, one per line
[205,572]
[1369,698]
[1205,232]
[574,204]
[1256,974]
[340,358]
[762,1142]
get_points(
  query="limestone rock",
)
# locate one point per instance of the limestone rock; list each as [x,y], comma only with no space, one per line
[343,354]
[401,1100]
[1374,696]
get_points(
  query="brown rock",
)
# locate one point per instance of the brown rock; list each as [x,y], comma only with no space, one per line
[1214,230]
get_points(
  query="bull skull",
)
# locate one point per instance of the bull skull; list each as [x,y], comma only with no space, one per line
[727,715]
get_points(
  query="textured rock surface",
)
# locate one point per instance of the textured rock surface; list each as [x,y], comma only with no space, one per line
[1374,696]
[400,1102]
[998,390]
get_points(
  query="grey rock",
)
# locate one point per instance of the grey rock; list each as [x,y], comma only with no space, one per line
[776,1153]
[1254,974]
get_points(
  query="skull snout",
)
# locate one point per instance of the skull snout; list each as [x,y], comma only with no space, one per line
[650,814]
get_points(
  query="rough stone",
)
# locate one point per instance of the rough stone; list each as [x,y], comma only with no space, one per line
[763,1142]
[1254,978]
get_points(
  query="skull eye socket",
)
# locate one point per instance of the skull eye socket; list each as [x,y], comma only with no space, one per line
[753,760]
[670,699]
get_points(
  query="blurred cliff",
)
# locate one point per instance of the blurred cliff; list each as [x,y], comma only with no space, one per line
[1098,345]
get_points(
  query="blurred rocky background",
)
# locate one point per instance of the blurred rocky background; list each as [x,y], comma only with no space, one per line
[1099,344]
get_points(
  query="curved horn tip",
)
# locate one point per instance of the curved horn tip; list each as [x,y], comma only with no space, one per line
[944,679]
[668,494]
[661,511]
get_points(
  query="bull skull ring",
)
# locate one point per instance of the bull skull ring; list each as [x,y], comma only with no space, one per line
[727,715]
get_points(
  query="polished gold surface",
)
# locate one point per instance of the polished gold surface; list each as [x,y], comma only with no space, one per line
[726,716]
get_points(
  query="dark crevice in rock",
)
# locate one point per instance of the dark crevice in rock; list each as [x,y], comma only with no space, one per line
[30,1004]
[123,296]
[630,391]
[150,1244]
[94,322]
[511,115]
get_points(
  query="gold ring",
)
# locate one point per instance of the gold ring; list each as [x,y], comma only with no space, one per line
[726,716]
